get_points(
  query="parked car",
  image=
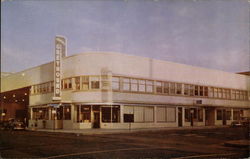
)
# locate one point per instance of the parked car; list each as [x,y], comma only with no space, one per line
[13,124]
[243,122]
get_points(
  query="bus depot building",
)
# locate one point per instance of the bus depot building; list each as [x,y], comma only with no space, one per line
[119,91]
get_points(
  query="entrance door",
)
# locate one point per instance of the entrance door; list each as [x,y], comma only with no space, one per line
[179,117]
[96,120]
[209,116]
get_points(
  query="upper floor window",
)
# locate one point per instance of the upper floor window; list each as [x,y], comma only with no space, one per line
[85,82]
[95,82]
[205,91]
[142,87]
[215,92]
[115,83]
[201,91]
[219,93]
[134,85]
[178,88]
[192,90]
[67,83]
[237,94]
[211,92]
[196,93]
[149,86]
[158,87]
[172,88]
[77,83]
[126,84]
[186,89]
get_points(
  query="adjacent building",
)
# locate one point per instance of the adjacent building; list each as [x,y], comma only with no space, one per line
[118,91]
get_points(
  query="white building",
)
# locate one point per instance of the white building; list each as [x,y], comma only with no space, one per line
[111,90]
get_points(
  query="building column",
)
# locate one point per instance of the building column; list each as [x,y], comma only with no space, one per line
[50,113]
[232,114]
[31,114]
[121,113]
[183,116]
[155,118]
[72,112]
[73,84]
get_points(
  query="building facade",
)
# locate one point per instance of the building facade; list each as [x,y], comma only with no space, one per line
[118,91]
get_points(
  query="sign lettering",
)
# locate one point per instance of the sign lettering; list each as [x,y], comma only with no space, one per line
[60,52]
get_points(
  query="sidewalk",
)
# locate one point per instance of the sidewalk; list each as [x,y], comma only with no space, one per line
[115,131]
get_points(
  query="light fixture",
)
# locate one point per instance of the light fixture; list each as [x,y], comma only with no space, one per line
[16,100]
[25,94]
[23,100]
[4,97]
[14,95]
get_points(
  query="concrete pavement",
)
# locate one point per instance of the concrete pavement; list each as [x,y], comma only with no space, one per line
[113,131]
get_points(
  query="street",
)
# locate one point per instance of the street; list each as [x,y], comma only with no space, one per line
[183,143]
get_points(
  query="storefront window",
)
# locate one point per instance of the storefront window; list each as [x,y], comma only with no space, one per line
[84,113]
[219,114]
[110,112]
[236,114]
[171,114]
[187,115]
[40,114]
[200,115]
[59,113]
[228,114]
[128,114]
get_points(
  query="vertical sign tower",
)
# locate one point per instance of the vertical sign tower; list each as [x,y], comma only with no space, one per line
[60,51]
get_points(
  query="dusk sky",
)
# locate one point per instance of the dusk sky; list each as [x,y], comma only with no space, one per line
[207,33]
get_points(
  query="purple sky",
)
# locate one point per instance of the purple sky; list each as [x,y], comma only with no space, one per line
[208,33]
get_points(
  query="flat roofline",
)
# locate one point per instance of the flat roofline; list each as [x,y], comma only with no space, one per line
[129,55]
